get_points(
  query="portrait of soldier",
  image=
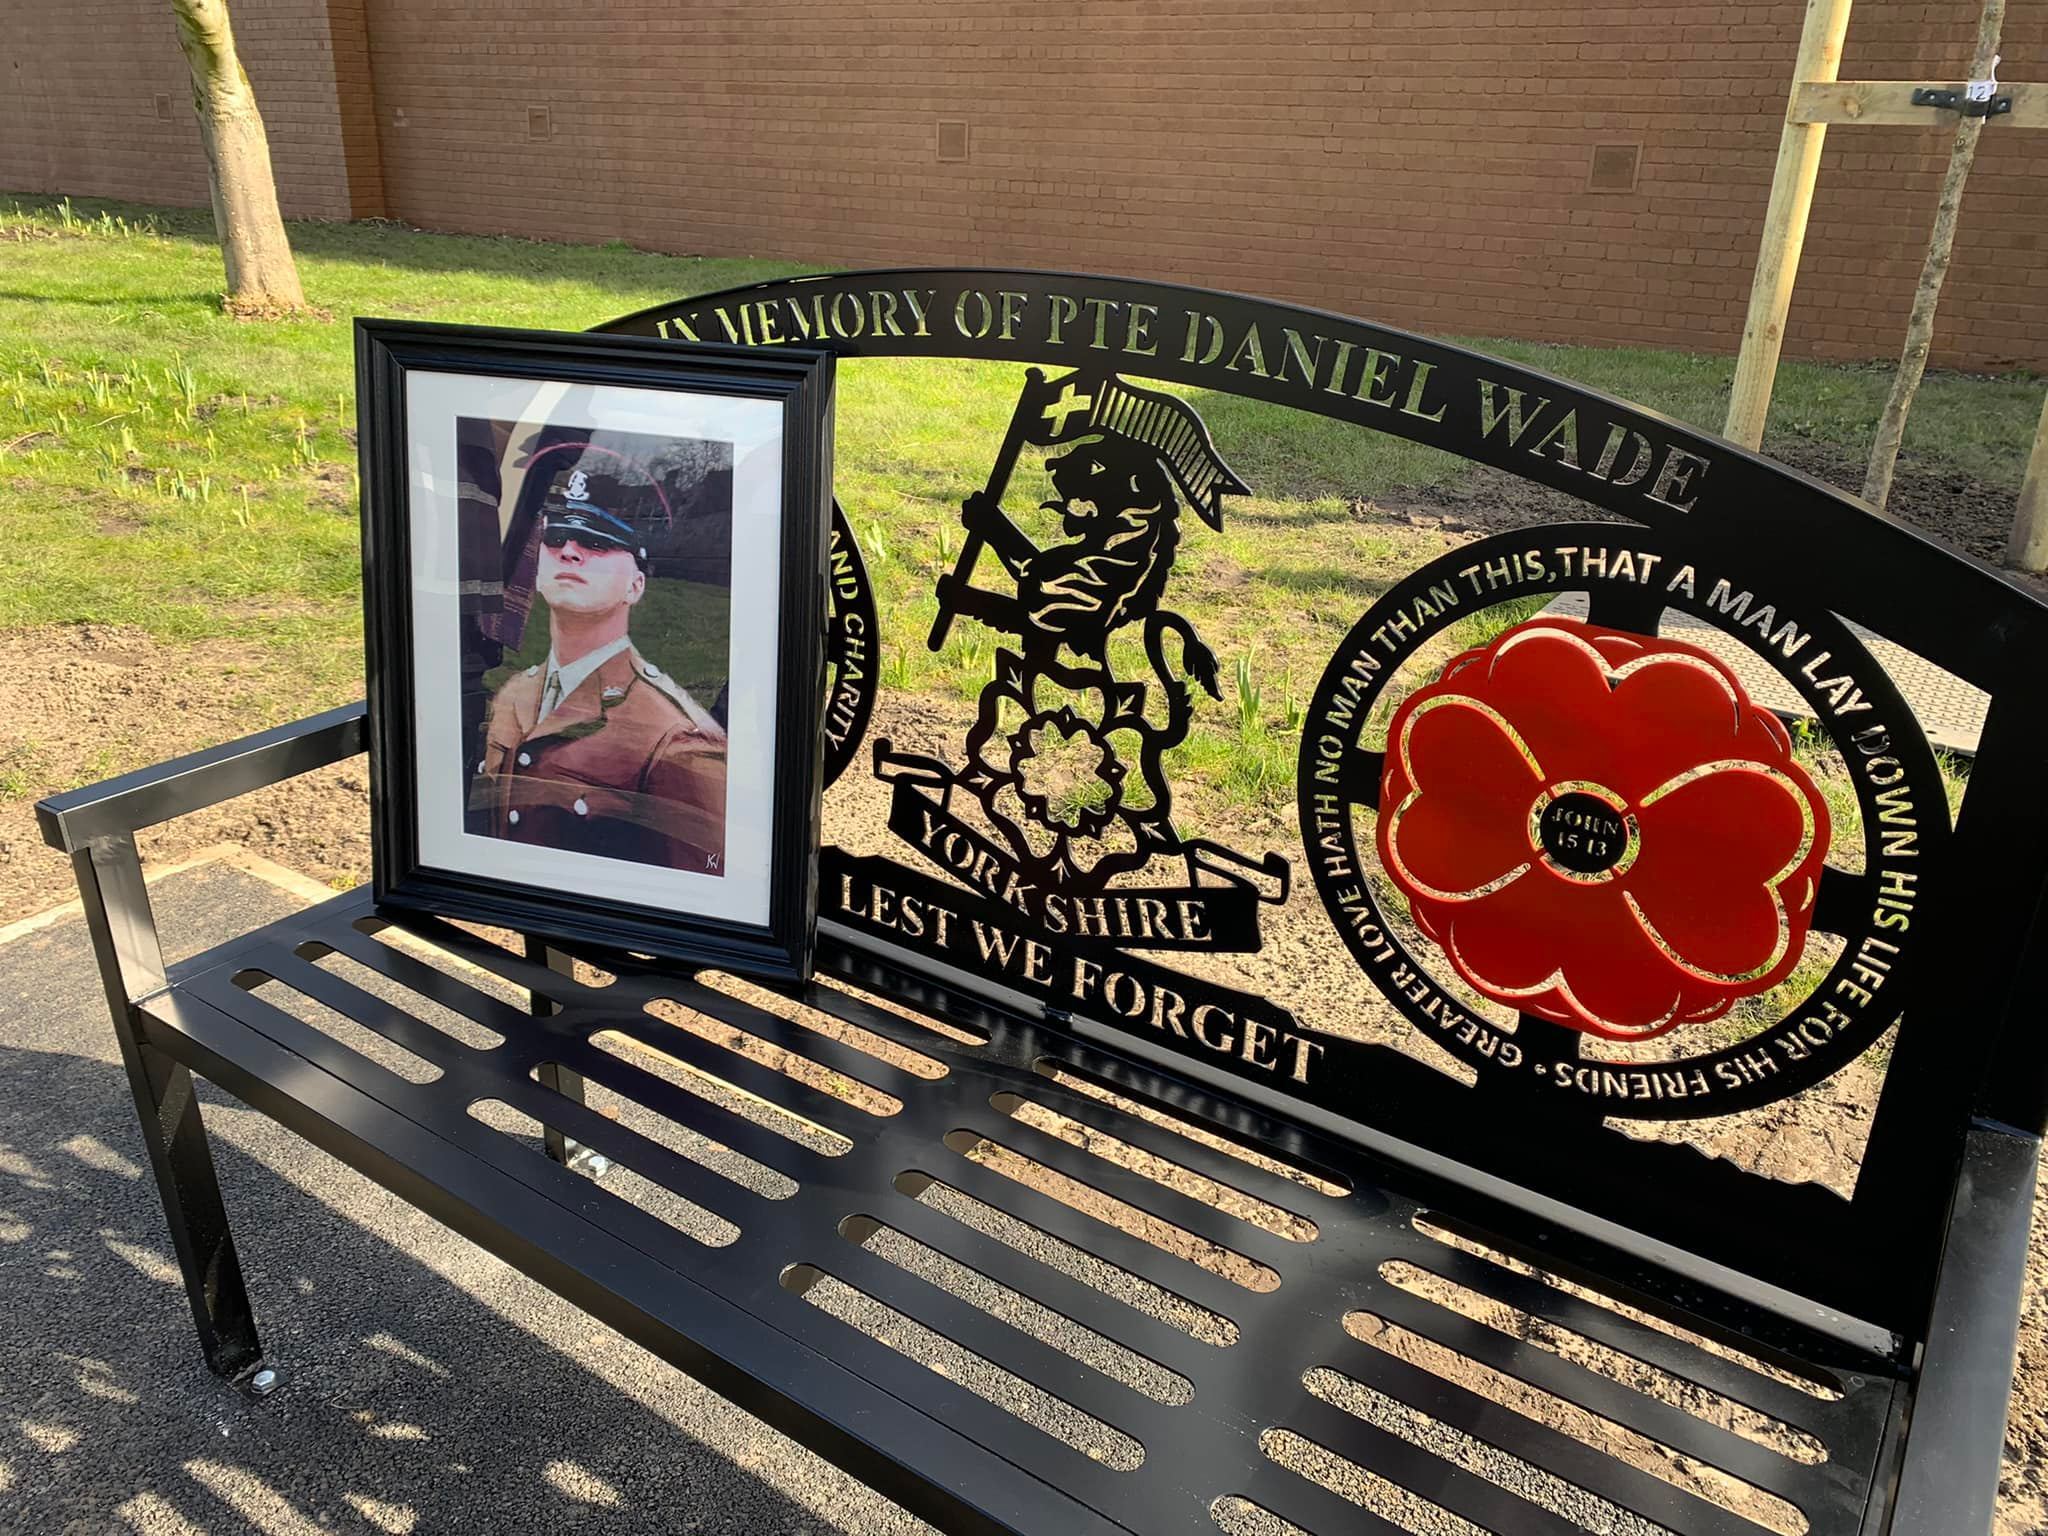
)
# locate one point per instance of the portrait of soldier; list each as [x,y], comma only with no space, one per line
[595,749]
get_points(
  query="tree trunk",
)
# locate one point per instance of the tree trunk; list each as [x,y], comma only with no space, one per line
[1891,426]
[2028,548]
[262,278]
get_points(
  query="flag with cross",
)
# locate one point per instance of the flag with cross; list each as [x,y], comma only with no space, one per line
[1056,412]
[1078,406]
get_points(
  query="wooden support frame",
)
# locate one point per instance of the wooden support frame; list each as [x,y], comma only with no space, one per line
[1889,104]
[1818,100]
[1777,265]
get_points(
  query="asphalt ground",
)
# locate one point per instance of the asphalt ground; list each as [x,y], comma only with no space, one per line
[426,1386]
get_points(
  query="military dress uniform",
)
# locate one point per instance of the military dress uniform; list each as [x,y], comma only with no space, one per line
[626,766]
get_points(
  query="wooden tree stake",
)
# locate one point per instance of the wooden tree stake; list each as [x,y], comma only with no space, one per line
[1777,263]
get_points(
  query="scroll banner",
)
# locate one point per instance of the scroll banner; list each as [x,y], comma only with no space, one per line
[1206,917]
[1232,1031]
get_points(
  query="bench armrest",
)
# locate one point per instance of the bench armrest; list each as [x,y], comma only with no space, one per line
[1948,1478]
[148,796]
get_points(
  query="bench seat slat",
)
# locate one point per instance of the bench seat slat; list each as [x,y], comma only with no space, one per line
[1309,1505]
[1135,1189]
[1703,1368]
[1043,1365]
[679,1175]
[264,1017]
[1231,1119]
[889,1025]
[374,1013]
[1168,1271]
[448,1118]
[1054,1289]
[778,1088]
[797,1039]
[452,992]
[789,1158]
[1575,1384]
[1538,1444]
[971,1416]
[1232,1172]
[515,970]
[1423,1472]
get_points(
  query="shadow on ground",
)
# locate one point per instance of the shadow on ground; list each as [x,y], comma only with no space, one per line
[426,1386]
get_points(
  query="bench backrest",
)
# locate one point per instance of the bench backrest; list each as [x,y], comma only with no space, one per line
[1553,863]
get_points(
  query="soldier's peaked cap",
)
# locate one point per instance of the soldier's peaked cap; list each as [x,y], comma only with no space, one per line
[596,509]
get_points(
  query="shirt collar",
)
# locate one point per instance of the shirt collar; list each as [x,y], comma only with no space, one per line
[572,676]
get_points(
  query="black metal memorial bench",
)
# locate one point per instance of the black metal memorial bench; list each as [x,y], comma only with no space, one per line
[1110,1178]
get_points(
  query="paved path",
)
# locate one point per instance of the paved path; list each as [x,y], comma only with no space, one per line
[427,1387]
[1950,710]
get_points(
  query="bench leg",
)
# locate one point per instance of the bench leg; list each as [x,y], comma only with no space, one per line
[182,1160]
[556,1079]
[570,1086]
[131,965]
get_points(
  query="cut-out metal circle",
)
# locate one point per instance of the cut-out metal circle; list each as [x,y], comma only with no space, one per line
[1588,835]
[1584,831]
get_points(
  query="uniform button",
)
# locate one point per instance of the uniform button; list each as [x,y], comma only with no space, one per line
[525,761]
[653,670]
[483,767]
[530,671]
[580,808]
[513,817]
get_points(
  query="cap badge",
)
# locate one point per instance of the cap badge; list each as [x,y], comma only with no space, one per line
[579,486]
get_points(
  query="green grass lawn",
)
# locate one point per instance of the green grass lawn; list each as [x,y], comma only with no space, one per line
[193,476]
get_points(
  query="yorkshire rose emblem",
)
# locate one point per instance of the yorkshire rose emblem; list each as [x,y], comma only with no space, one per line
[1065,786]
[1601,829]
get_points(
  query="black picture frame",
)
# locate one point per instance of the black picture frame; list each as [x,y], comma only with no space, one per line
[390,357]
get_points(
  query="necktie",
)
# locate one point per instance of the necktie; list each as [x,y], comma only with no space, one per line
[553,696]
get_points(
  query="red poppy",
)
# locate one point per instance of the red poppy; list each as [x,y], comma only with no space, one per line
[1601,829]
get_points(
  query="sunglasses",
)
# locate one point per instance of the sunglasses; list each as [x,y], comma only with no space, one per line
[594,543]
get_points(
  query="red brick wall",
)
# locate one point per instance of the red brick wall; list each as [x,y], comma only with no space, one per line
[1419,161]
[356,107]
[1423,162]
[79,114]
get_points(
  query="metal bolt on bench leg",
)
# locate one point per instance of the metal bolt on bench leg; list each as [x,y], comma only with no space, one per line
[578,1158]
[263,1382]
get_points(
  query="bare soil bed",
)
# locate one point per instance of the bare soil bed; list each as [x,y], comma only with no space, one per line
[1959,509]
[84,702]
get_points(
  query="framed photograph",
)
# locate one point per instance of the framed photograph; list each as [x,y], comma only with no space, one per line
[594,588]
